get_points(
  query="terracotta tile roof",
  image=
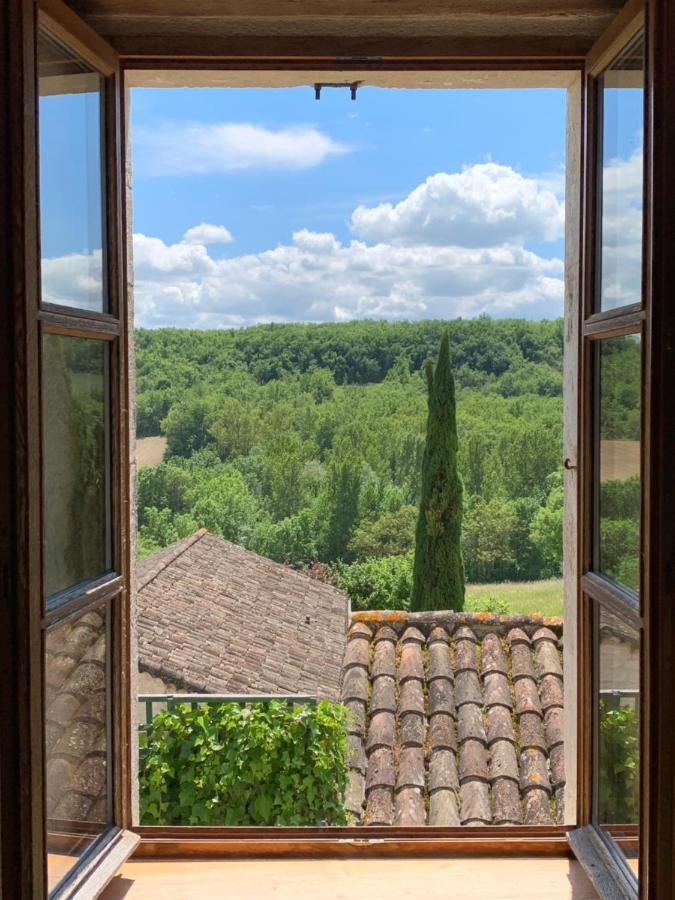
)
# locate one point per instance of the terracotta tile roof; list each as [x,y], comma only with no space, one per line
[215,618]
[457,719]
[75,703]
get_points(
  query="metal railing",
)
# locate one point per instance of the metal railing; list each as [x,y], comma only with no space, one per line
[153,703]
[621,697]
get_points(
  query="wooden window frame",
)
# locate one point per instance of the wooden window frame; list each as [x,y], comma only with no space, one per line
[596,587]
[553,840]
[656,319]
[21,835]
[27,615]
[650,612]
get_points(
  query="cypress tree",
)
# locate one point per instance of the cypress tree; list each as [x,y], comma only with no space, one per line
[438,572]
[344,484]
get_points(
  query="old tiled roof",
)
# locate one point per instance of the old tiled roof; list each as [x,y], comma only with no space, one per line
[75,703]
[215,618]
[457,719]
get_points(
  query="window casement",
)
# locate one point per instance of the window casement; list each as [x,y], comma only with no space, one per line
[67,697]
[76,459]
[614,473]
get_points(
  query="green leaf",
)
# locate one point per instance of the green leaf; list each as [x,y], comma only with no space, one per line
[261,764]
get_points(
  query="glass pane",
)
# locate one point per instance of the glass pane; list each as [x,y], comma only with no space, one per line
[619,732]
[619,489]
[622,92]
[71,178]
[75,460]
[76,739]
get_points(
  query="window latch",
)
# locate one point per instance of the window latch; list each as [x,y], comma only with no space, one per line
[352,85]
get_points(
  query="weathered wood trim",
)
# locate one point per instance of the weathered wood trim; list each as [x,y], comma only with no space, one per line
[56,323]
[128,392]
[124,639]
[553,51]
[620,33]
[91,874]
[658,820]
[21,824]
[571,562]
[349,842]
[588,9]
[69,28]
[99,867]
[268,73]
[612,882]
[72,316]
[601,859]
[76,602]
[612,595]
[239,833]
[604,325]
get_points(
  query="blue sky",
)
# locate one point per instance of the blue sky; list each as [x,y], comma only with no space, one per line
[398,138]
[257,205]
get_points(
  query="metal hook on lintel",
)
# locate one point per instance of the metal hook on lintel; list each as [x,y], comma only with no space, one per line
[352,85]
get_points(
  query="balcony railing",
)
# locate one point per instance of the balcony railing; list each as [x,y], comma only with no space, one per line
[621,696]
[152,703]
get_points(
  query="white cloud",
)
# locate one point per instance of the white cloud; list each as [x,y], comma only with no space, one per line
[483,206]
[153,256]
[318,278]
[199,148]
[207,234]
[454,247]
[73,280]
[622,181]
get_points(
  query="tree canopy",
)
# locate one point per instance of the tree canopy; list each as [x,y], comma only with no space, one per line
[438,571]
[305,442]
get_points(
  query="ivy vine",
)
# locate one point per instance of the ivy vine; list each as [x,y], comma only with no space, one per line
[259,764]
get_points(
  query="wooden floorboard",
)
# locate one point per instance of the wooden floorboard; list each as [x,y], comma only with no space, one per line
[352,879]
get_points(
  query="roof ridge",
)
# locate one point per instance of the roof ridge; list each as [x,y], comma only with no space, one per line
[179,549]
[448,617]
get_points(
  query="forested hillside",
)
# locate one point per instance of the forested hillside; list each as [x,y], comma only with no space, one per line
[304,443]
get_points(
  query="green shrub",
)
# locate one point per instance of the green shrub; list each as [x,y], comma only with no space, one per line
[260,764]
[383,583]
[546,531]
[492,604]
[620,498]
[619,753]
[619,549]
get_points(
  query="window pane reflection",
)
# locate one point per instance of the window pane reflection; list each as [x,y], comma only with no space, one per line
[76,736]
[75,490]
[619,491]
[619,731]
[71,206]
[622,94]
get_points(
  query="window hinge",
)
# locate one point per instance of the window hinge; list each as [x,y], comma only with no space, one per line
[360,842]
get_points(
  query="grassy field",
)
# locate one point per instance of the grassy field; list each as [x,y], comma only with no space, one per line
[619,460]
[150,451]
[543,597]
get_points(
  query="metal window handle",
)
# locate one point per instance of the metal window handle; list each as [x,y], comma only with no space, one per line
[568,464]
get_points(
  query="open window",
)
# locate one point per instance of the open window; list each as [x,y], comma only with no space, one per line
[83,471]
[66,617]
[614,475]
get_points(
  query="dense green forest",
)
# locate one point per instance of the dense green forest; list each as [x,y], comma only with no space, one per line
[304,442]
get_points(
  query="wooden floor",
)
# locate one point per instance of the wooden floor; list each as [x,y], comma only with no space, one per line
[352,879]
